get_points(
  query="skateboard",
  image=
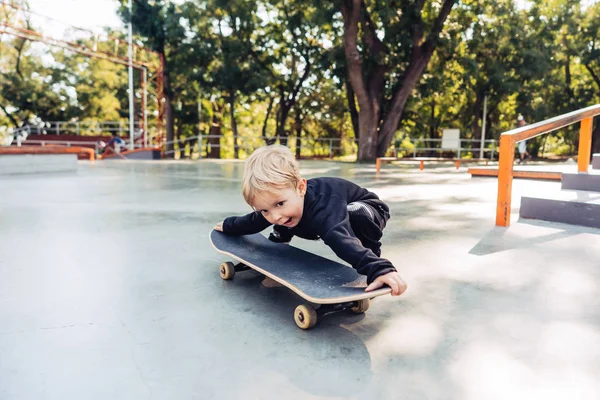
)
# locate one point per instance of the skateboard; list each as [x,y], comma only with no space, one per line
[326,285]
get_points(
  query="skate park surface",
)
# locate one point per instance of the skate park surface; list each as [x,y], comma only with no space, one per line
[109,288]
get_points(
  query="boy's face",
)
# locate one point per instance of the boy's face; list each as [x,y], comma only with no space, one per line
[282,206]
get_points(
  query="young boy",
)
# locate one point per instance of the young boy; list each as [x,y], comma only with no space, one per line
[348,218]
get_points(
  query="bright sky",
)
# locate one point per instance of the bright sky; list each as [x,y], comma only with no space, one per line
[95,14]
[88,14]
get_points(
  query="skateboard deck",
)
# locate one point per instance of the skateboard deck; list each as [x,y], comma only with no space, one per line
[314,278]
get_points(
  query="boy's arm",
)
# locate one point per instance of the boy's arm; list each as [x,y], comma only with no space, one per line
[245,225]
[334,223]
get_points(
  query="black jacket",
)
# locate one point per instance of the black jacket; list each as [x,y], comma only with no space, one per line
[325,216]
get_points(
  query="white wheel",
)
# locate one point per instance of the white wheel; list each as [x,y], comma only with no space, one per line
[305,316]
[363,305]
[227,270]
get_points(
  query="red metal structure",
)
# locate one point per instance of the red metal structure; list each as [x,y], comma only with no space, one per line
[156,64]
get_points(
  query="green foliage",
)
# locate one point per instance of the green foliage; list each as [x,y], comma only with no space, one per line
[237,57]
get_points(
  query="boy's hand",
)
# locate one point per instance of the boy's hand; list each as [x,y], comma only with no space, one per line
[219,227]
[392,279]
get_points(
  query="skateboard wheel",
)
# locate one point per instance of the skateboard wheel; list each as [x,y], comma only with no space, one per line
[305,316]
[362,306]
[227,270]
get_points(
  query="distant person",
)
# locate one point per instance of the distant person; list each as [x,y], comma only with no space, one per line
[523,154]
[115,143]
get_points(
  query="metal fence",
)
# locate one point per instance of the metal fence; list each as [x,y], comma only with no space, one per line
[200,146]
[80,128]
[97,128]
[98,145]
[317,147]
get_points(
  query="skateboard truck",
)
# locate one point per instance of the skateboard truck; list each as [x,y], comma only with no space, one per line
[305,315]
[228,269]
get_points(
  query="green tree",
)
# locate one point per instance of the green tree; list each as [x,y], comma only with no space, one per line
[159,24]
[385,63]
[502,55]
[233,72]
[30,91]
[288,47]
[589,51]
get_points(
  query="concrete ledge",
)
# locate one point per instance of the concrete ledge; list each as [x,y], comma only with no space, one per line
[138,154]
[596,161]
[35,163]
[589,182]
[568,207]
[82,152]
[457,161]
[521,174]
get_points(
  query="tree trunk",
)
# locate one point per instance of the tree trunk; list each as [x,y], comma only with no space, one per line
[236,149]
[264,128]
[367,141]
[215,130]
[9,116]
[593,74]
[284,112]
[287,102]
[298,127]
[409,81]
[180,139]
[477,112]
[169,115]
[375,137]
[432,126]
[19,49]
[568,76]
[352,108]
[368,118]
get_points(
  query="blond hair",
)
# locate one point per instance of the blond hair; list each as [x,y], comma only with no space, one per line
[269,168]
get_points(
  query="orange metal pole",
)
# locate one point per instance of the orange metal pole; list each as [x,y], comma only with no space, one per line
[505,176]
[585,145]
[378,165]
[422,165]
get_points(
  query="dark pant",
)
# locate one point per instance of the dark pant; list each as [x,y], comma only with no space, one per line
[367,222]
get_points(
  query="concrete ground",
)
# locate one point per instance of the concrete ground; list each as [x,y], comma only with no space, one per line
[109,289]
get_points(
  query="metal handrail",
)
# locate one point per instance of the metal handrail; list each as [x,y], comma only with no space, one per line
[552,124]
[507,153]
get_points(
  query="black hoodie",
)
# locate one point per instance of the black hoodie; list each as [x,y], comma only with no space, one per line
[325,216]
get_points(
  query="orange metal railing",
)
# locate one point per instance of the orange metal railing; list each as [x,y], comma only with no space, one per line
[510,138]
